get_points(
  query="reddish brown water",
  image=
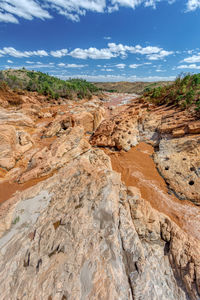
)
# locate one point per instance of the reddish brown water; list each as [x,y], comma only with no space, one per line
[138,169]
[8,189]
[119,99]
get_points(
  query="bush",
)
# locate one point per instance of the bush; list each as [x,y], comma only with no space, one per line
[156,92]
[184,92]
[48,85]
[197,105]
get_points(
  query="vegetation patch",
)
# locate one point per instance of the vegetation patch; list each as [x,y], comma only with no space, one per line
[16,220]
[183,92]
[47,85]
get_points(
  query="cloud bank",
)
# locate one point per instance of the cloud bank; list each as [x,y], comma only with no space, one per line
[12,10]
[113,50]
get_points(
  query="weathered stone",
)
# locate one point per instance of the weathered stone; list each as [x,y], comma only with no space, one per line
[194,128]
[8,141]
[82,234]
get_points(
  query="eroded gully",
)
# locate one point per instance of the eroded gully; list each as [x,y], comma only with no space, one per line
[137,168]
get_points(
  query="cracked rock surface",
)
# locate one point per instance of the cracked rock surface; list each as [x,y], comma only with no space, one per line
[79,232]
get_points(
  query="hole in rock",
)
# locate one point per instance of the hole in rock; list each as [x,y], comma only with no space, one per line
[167,168]
[191,182]
[167,248]
[57,224]
[38,264]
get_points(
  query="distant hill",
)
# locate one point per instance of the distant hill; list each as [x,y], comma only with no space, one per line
[47,85]
[129,87]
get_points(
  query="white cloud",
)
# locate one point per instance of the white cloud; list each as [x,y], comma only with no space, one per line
[107,38]
[115,50]
[159,70]
[112,51]
[59,53]
[162,54]
[12,10]
[134,66]
[191,66]
[92,53]
[40,65]
[9,61]
[34,66]
[61,65]
[192,59]
[107,70]
[120,66]
[15,53]
[193,5]
[115,78]
[133,3]
[71,65]
[190,51]
[8,18]
[113,8]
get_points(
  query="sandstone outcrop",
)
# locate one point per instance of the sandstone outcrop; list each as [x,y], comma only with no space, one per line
[94,239]
[13,144]
[29,135]
[47,160]
[173,133]
[74,230]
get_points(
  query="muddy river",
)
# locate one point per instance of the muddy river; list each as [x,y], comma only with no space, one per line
[138,169]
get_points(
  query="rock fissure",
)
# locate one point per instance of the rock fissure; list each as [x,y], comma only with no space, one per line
[126,264]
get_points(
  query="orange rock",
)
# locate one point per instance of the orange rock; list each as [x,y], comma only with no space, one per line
[194,127]
[178,132]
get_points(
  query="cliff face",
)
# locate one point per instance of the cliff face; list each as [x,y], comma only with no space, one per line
[74,230]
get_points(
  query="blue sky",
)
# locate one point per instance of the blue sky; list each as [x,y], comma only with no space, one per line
[101,40]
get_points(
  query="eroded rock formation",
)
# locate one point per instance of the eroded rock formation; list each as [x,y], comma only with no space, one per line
[82,233]
[174,134]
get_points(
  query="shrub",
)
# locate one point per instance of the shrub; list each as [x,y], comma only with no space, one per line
[197,105]
[189,97]
[48,85]
[157,92]
[182,92]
